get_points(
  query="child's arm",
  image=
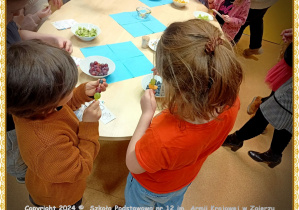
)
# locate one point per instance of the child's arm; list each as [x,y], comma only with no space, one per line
[287,35]
[53,40]
[240,18]
[57,3]
[84,93]
[31,21]
[148,106]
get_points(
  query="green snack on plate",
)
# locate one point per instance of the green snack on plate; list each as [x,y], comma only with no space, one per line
[82,31]
[203,17]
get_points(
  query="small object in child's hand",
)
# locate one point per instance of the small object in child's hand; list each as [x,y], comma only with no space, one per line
[101,81]
[97,96]
[153,81]
[154,87]
[152,84]
[98,90]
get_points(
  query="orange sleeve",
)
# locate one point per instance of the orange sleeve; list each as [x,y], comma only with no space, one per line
[149,153]
[79,97]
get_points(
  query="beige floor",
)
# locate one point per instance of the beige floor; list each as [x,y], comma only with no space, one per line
[227,179]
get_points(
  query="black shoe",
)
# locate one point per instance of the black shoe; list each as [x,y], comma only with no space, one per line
[233,142]
[267,157]
[21,180]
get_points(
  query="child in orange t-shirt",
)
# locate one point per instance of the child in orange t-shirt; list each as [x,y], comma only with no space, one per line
[58,149]
[202,78]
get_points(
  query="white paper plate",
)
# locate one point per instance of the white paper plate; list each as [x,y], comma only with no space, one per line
[85,65]
[146,80]
[197,13]
[153,44]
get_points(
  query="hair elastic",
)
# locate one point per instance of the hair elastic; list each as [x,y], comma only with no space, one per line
[211,44]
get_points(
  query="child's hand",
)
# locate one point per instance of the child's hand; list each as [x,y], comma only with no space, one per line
[154,70]
[226,18]
[56,3]
[44,12]
[90,87]
[62,43]
[148,103]
[92,113]
[287,35]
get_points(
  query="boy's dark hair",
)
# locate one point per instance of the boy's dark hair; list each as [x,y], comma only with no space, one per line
[38,77]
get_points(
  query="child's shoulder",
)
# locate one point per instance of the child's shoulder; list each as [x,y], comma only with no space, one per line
[164,117]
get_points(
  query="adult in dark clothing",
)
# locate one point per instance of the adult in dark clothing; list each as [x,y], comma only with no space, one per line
[258,9]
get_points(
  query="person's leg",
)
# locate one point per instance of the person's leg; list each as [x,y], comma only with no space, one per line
[138,196]
[15,165]
[257,28]
[280,141]
[135,194]
[173,200]
[247,23]
[254,127]
[272,157]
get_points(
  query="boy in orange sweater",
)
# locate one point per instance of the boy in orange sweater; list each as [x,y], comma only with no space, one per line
[58,149]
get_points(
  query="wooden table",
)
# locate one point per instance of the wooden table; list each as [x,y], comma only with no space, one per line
[121,98]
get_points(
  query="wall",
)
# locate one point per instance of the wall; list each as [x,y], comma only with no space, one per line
[277,18]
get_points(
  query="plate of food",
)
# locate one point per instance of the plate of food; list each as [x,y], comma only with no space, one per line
[180,3]
[203,15]
[153,82]
[97,66]
[153,44]
[85,31]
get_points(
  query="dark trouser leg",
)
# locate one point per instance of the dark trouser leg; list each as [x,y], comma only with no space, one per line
[280,140]
[254,127]
[256,28]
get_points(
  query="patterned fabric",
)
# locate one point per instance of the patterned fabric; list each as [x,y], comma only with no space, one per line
[278,109]
[238,15]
